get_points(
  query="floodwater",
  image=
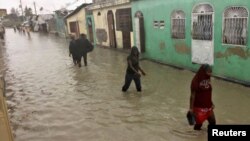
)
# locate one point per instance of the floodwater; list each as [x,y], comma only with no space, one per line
[50,99]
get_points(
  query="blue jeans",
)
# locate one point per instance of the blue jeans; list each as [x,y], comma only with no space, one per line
[128,79]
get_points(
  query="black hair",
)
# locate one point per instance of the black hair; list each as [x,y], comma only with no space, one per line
[133,49]
[207,67]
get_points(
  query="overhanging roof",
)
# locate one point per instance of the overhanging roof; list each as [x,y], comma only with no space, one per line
[76,10]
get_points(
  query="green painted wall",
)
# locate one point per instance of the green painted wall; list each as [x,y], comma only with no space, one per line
[93,28]
[230,62]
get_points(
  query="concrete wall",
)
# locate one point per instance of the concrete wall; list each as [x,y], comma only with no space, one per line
[80,17]
[101,22]
[230,61]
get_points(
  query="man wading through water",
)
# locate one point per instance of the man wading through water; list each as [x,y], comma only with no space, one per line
[73,50]
[133,70]
[84,46]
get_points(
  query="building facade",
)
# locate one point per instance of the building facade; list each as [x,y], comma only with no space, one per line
[186,33]
[113,23]
[76,21]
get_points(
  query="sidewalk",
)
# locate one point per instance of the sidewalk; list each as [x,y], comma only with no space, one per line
[5,130]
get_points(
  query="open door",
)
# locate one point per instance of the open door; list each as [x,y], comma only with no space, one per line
[139,31]
[126,39]
[202,34]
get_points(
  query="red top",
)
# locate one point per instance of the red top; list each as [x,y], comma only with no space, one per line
[203,89]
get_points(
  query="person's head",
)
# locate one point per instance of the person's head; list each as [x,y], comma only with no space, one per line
[134,51]
[208,69]
[82,35]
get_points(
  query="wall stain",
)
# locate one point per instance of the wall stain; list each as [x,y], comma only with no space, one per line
[162,45]
[238,51]
[101,35]
[182,49]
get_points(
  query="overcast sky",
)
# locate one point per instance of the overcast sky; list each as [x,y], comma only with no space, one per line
[48,5]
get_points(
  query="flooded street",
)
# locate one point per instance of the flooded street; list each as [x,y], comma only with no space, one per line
[50,99]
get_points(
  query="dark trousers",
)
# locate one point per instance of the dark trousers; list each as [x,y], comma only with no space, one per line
[74,59]
[85,59]
[128,79]
[78,60]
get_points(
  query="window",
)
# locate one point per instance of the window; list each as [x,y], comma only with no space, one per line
[178,24]
[156,24]
[203,27]
[159,24]
[73,27]
[235,26]
[123,19]
[202,22]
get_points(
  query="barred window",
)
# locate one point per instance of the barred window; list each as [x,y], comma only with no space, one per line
[178,24]
[123,19]
[235,26]
[202,22]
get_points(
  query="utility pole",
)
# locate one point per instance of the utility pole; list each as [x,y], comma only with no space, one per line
[35,7]
[21,6]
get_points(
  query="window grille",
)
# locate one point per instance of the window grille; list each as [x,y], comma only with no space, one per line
[156,24]
[203,8]
[178,24]
[202,22]
[161,24]
[235,26]
[123,19]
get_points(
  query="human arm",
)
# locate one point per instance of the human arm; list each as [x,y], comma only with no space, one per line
[142,71]
[131,66]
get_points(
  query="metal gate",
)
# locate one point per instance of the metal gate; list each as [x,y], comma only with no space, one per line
[202,34]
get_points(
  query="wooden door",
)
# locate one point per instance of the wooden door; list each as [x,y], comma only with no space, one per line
[111,28]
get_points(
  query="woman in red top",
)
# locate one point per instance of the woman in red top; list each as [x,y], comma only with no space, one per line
[201,97]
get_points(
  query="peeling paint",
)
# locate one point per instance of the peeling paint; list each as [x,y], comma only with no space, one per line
[238,51]
[219,55]
[162,45]
[182,49]
[101,35]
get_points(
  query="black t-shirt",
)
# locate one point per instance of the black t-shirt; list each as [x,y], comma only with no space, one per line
[72,47]
[135,64]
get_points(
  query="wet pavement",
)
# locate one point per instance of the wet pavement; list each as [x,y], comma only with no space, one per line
[50,99]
